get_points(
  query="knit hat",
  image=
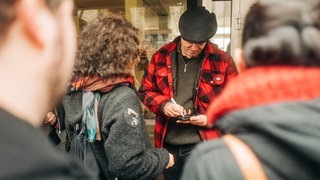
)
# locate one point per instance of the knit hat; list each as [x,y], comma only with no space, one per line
[197,25]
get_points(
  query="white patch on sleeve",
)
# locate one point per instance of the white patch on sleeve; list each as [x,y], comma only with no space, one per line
[132,117]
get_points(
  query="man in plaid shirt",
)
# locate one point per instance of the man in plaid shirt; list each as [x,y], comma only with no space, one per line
[184,77]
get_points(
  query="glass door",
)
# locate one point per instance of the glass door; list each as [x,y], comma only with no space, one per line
[223,10]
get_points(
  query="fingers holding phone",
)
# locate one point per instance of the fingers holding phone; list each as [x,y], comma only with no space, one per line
[198,120]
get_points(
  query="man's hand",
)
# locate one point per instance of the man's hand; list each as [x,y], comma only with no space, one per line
[171,161]
[173,110]
[198,120]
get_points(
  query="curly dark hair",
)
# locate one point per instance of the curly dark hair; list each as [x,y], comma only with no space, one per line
[283,32]
[107,48]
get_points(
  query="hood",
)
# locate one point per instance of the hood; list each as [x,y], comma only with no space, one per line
[285,136]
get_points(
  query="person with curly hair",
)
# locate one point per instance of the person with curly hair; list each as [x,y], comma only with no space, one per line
[103,80]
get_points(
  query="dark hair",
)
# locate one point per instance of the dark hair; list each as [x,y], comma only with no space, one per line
[8,13]
[282,33]
[108,47]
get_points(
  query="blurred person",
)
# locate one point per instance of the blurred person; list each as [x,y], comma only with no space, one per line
[53,126]
[49,128]
[268,116]
[61,128]
[183,77]
[37,47]
[103,81]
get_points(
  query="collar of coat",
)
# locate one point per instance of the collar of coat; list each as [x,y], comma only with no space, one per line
[266,85]
[96,83]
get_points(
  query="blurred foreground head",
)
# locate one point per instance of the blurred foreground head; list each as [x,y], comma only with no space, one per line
[285,32]
[108,48]
[37,49]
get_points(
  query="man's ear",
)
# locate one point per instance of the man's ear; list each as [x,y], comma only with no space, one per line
[31,14]
[239,60]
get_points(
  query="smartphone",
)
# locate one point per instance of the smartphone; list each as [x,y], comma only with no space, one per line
[185,117]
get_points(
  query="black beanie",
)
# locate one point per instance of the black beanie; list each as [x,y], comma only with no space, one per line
[197,25]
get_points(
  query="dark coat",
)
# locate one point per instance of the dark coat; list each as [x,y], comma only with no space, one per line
[284,136]
[27,154]
[125,138]
[276,112]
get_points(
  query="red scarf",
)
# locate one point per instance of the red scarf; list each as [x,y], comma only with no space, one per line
[266,85]
[96,83]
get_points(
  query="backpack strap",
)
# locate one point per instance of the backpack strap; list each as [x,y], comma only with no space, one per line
[247,160]
[91,124]
[90,101]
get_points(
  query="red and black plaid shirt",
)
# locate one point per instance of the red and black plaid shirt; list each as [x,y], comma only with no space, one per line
[157,83]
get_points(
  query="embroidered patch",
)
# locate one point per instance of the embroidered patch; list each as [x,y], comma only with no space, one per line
[132,117]
[218,79]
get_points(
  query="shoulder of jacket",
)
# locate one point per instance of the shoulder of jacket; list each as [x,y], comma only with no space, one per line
[166,49]
[118,93]
[214,51]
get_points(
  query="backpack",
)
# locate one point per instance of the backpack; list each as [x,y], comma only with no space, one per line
[87,146]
